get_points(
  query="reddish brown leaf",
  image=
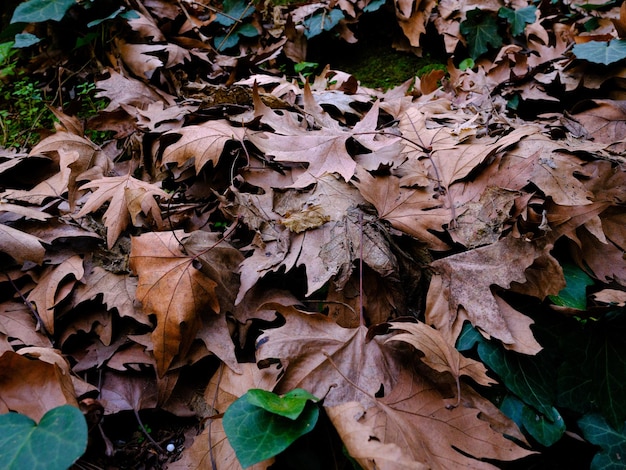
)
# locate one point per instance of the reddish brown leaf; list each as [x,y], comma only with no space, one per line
[173,289]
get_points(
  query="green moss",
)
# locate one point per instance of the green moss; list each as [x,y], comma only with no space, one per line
[383,67]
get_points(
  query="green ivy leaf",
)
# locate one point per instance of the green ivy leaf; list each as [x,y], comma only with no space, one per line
[24,40]
[594,372]
[37,11]
[546,431]
[574,295]
[518,19]
[481,31]
[374,5]
[290,405]
[601,52]
[234,10]
[613,443]
[322,21]
[256,434]
[56,442]
[528,377]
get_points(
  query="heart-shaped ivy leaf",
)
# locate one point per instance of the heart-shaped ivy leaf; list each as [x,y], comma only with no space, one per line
[257,434]
[56,442]
[290,405]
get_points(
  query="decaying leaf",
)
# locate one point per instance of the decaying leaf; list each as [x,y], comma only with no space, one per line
[174,289]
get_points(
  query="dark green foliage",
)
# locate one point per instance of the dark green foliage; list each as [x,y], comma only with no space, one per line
[574,295]
[56,442]
[613,443]
[481,32]
[518,19]
[261,424]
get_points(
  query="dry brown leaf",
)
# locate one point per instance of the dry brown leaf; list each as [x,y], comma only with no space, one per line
[465,289]
[438,353]
[419,430]
[21,246]
[172,288]
[49,291]
[127,391]
[33,386]
[126,90]
[203,143]
[327,360]
[413,211]
[127,198]
[18,322]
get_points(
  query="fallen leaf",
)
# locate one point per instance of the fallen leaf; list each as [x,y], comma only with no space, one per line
[127,197]
[465,288]
[327,360]
[33,387]
[173,289]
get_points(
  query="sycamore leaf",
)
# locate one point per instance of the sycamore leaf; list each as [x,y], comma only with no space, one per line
[322,151]
[413,211]
[33,386]
[127,197]
[462,290]
[76,154]
[21,246]
[438,353]
[172,288]
[326,359]
[203,143]
[413,426]
[481,31]
[49,290]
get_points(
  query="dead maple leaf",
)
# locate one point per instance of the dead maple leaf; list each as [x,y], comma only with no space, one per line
[172,288]
[414,425]
[413,211]
[465,288]
[440,355]
[327,360]
[127,197]
[33,386]
[200,144]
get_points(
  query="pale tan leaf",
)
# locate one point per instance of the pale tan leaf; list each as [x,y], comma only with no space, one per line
[463,289]
[127,197]
[438,353]
[200,144]
[21,246]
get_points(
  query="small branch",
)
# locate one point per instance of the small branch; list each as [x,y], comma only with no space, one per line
[145,431]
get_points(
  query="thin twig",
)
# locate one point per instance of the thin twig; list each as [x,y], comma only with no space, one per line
[145,431]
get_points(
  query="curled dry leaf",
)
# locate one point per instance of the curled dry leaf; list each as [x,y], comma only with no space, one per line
[127,198]
[439,354]
[52,288]
[463,287]
[33,386]
[172,288]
